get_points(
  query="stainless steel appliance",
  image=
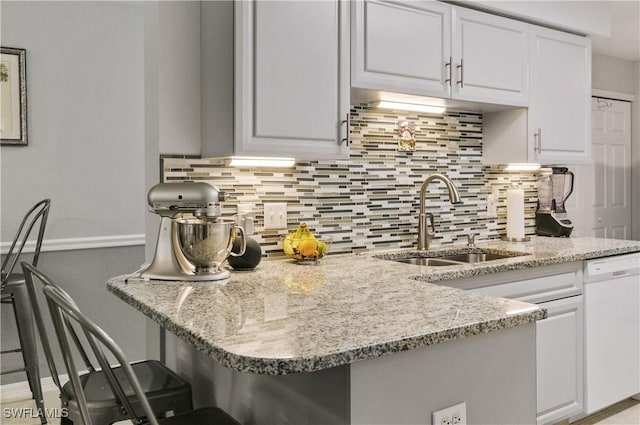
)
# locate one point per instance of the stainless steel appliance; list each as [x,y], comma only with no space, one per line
[551,215]
[193,241]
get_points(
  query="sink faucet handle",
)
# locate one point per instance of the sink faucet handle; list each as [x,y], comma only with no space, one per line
[471,239]
[433,223]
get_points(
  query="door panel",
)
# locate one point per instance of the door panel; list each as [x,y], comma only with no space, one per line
[401,46]
[611,171]
[556,94]
[309,110]
[490,58]
[559,360]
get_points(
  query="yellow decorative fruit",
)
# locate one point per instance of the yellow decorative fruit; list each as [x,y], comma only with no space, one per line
[308,248]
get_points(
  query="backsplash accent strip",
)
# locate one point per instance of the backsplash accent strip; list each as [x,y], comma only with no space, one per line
[371,200]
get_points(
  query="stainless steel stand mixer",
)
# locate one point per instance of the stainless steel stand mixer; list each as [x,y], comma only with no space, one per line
[193,241]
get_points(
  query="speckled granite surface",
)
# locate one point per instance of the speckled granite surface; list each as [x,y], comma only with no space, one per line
[286,318]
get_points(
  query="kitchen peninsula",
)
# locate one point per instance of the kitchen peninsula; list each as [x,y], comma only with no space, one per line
[360,338]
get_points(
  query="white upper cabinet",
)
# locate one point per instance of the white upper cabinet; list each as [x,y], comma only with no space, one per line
[291,80]
[401,46]
[490,60]
[434,49]
[556,128]
[560,101]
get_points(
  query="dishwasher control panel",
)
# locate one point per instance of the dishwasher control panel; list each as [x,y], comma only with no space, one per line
[620,265]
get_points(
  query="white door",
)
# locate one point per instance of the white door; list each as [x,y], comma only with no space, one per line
[610,174]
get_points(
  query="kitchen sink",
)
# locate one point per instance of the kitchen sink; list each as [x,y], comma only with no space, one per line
[452,259]
[424,261]
[476,257]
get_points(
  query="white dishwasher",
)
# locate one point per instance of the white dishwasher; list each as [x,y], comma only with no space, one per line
[612,330]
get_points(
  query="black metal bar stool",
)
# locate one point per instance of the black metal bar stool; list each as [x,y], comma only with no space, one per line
[166,391]
[123,381]
[14,292]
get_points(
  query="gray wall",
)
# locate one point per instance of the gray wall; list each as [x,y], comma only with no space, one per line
[613,74]
[85,90]
[85,75]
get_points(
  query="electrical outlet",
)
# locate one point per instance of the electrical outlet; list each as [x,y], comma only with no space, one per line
[492,204]
[456,419]
[454,415]
[275,215]
[245,218]
[243,209]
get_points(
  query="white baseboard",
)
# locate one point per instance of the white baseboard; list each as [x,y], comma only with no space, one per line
[21,391]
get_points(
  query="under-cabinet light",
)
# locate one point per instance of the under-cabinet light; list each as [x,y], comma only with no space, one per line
[418,107]
[522,167]
[249,161]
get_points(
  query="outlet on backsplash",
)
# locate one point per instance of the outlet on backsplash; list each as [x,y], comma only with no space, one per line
[492,203]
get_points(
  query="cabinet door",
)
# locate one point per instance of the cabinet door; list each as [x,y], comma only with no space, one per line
[292,78]
[559,103]
[559,352]
[490,58]
[401,46]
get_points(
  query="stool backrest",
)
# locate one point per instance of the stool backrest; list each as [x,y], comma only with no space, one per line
[65,314]
[32,276]
[39,211]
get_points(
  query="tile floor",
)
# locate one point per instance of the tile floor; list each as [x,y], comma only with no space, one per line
[626,412]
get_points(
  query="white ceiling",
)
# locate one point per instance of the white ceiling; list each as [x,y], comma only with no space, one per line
[624,42]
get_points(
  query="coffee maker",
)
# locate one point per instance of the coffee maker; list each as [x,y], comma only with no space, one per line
[193,240]
[551,215]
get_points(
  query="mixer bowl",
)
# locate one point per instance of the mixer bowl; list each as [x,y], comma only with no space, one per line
[206,243]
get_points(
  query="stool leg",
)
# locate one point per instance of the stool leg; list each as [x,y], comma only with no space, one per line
[26,333]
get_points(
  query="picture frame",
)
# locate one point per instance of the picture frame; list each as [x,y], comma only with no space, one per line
[13,96]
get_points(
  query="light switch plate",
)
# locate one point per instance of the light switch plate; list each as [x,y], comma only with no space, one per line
[275,215]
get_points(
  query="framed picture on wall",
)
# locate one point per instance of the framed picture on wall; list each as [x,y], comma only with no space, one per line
[13,96]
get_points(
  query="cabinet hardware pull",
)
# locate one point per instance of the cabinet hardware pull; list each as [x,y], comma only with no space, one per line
[348,122]
[447,66]
[461,68]
[538,141]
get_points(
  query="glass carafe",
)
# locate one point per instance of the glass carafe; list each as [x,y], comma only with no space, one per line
[560,191]
[545,190]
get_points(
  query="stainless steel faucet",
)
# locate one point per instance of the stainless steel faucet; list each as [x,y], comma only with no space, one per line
[424,235]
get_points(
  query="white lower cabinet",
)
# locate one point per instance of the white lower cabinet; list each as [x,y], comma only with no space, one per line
[559,337]
[559,348]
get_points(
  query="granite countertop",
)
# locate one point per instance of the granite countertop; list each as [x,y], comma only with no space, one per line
[286,318]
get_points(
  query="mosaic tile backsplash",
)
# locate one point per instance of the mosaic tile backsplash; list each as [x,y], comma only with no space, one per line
[371,201]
